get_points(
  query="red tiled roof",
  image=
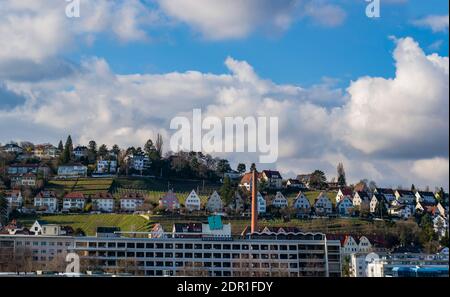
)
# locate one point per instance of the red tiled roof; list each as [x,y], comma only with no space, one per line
[74,195]
[132,195]
[102,195]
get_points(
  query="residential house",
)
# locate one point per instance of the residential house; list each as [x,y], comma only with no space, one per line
[375,202]
[72,171]
[342,193]
[388,194]
[443,210]
[246,180]
[305,179]
[261,204]
[302,204]
[74,201]
[44,228]
[46,201]
[232,174]
[103,202]
[355,245]
[45,151]
[193,202]
[365,246]
[106,166]
[422,207]
[19,169]
[345,206]
[349,245]
[440,225]
[23,180]
[214,203]
[405,197]
[400,211]
[169,201]
[280,201]
[80,152]
[272,179]
[12,148]
[131,201]
[14,199]
[295,184]
[361,200]
[237,204]
[323,205]
[426,197]
[138,162]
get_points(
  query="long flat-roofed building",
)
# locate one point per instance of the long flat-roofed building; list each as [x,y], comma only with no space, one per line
[263,253]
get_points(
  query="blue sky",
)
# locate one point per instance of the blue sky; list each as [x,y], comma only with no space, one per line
[371,93]
[303,54]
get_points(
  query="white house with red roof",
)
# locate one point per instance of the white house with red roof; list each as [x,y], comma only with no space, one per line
[74,201]
[46,201]
[131,201]
[103,202]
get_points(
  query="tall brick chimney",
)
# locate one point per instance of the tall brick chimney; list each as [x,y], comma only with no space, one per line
[254,201]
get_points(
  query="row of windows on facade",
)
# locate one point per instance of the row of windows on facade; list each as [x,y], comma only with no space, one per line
[132,245]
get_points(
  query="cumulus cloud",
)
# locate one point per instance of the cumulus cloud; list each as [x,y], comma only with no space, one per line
[380,127]
[39,29]
[405,116]
[437,23]
[217,19]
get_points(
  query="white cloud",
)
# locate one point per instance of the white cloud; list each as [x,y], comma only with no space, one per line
[217,19]
[406,116]
[432,170]
[380,128]
[437,23]
[39,29]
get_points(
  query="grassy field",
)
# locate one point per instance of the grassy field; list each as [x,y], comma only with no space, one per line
[312,195]
[89,222]
[126,222]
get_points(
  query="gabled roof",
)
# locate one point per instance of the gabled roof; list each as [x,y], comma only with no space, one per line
[102,195]
[46,194]
[425,193]
[405,192]
[346,191]
[294,181]
[363,195]
[272,173]
[379,197]
[385,191]
[132,195]
[247,178]
[74,195]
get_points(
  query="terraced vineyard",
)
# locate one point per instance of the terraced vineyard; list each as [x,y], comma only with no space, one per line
[89,222]
[87,186]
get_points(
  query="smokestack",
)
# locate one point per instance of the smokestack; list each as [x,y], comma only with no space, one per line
[254,202]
